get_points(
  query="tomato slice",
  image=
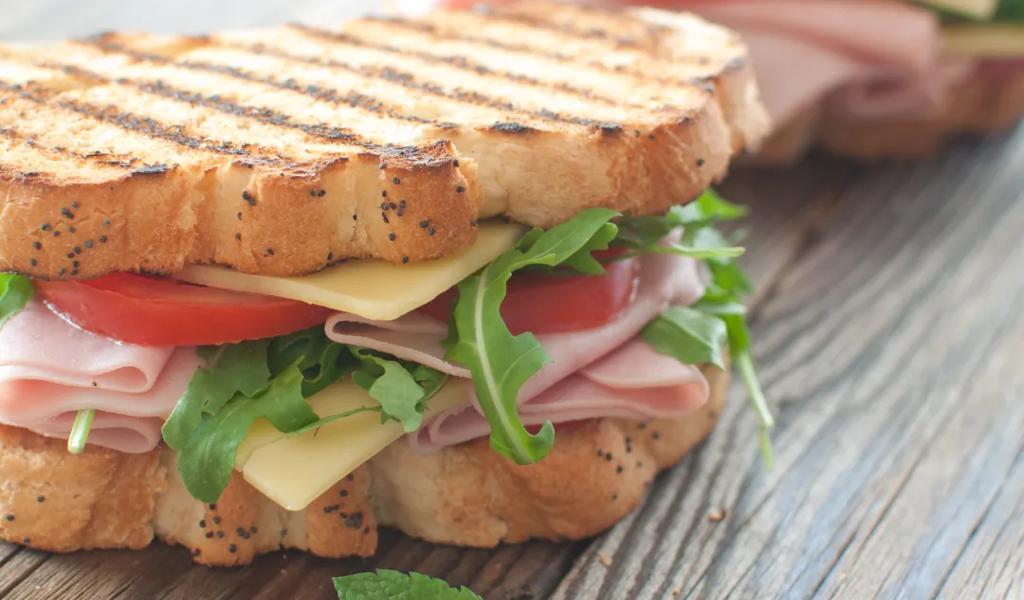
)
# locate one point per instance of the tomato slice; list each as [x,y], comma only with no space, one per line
[160,312]
[558,303]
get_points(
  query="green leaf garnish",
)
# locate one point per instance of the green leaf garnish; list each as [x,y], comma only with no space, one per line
[689,335]
[501,362]
[395,585]
[79,435]
[231,370]
[206,461]
[15,292]
[271,379]
[400,388]
[684,335]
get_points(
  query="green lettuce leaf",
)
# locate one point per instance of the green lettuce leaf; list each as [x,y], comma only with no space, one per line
[231,370]
[242,383]
[207,460]
[646,235]
[501,362]
[400,387]
[395,585]
[689,335]
[15,292]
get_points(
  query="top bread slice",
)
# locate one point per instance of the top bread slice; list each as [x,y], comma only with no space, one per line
[281,151]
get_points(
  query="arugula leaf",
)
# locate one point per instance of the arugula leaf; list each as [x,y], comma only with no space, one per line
[231,370]
[646,235]
[15,292]
[321,361]
[206,461]
[501,362]
[390,383]
[692,337]
[385,583]
[689,335]
[79,434]
[271,378]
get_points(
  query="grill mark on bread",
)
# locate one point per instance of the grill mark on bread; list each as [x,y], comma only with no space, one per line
[150,127]
[591,33]
[131,164]
[456,61]
[620,70]
[409,81]
[420,156]
[351,98]
[531,18]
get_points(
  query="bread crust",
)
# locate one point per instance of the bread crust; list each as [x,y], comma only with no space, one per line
[597,472]
[169,153]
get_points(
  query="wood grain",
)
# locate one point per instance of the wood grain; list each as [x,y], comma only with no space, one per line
[893,349]
[890,336]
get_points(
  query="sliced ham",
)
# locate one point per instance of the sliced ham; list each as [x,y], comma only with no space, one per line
[37,344]
[633,382]
[861,58]
[874,31]
[50,369]
[131,435]
[592,373]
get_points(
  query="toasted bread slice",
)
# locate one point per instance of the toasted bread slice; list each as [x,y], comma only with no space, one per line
[281,151]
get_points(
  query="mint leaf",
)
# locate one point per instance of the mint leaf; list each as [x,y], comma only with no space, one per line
[499,361]
[395,585]
[15,292]
[689,335]
[231,370]
[207,459]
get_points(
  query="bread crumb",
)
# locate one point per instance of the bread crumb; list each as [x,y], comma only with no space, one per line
[677,590]
[718,514]
[604,559]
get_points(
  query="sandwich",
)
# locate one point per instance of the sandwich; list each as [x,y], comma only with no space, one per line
[459,275]
[888,80]
[876,79]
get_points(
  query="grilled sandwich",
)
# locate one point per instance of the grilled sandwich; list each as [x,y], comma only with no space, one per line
[456,274]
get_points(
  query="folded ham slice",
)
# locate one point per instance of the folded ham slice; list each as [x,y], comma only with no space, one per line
[601,372]
[862,58]
[50,369]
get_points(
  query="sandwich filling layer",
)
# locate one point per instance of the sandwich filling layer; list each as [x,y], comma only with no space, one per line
[602,316]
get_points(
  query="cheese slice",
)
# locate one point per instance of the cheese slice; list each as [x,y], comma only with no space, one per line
[295,471]
[998,40]
[371,288]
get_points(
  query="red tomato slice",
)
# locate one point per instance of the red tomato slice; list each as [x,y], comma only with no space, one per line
[558,303]
[162,312]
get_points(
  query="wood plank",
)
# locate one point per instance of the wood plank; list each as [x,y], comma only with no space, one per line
[892,349]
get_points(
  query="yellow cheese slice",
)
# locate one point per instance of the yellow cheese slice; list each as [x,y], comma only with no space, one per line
[998,40]
[373,289]
[294,471]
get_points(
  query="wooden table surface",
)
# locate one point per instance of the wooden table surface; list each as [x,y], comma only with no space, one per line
[889,328]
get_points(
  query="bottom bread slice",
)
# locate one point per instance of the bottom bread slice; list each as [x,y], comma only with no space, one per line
[597,472]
